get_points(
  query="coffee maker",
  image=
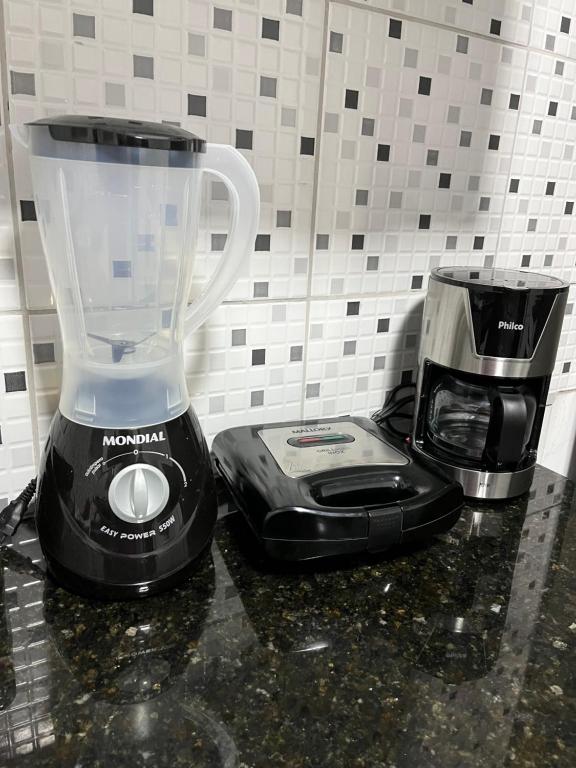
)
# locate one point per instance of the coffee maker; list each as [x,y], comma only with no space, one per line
[126,496]
[488,347]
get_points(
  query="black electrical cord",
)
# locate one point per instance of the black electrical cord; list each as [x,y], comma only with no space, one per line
[12,514]
[394,404]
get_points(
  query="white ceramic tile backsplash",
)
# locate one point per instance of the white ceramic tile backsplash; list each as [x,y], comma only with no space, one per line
[388,137]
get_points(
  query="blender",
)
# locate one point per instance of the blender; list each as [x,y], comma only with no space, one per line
[126,496]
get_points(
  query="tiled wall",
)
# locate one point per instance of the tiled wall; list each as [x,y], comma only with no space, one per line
[388,137]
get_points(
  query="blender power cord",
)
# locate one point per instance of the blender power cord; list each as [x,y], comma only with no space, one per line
[13,514]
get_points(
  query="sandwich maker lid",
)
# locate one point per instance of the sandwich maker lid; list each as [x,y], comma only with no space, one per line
[331,487]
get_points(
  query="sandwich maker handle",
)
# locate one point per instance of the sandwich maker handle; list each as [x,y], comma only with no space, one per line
[422,499]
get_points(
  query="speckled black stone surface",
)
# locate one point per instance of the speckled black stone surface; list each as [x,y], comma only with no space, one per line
[457,654]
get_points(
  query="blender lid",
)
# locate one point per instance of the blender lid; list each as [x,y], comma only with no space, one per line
[112,131]
[499,279]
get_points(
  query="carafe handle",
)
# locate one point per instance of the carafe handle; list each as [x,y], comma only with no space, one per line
[509,421]
[229,166]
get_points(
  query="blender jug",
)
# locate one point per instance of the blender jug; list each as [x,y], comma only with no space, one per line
[126,496]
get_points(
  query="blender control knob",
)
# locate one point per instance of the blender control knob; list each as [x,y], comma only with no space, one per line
[138,493]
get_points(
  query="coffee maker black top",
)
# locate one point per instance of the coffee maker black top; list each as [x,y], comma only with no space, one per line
[509,308]
[499,279]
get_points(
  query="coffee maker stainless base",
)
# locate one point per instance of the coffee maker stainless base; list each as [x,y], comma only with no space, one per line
[486,485]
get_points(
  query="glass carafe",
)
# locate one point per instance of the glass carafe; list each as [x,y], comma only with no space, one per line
[482,423]
[117,204]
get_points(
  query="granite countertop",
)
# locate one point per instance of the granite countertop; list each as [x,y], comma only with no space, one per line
[459,653]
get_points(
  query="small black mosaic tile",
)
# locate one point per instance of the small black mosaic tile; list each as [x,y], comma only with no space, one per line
[395,28]
[270,29]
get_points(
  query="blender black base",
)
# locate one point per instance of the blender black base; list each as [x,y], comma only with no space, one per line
[90,542]
[72,582]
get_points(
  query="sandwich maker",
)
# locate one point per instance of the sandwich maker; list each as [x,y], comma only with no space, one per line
[312,489]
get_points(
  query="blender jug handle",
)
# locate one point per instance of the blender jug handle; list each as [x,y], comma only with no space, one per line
[229,166]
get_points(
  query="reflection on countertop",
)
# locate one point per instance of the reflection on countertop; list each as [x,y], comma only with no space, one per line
[456,654]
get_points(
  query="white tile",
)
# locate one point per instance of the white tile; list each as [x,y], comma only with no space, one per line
[316,356]
[17,463]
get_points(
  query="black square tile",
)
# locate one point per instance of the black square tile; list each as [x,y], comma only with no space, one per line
[465,138]
[383,153]
[525,260]
[243,139]
[494,141]
[569,208]
[478,242]
[262,243]
[495,26]
[566,368]
[27,210]
[145,7]
[196,105]
[15,382]
[432,157]
[258,356]
[322,242]
[445,180]
[407,377]
[565,24]
[395,28]
[514,102]
[424,221]
[271,29]
[417,281]
[351,99]
[306,145]
[383,325]
[550,187]
[424,86]
[553,108]
[514,184]
[352,308]
[357,242]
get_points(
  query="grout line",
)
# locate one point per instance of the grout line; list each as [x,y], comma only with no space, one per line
[357,296]
[513,153]
[30,381]
[395,14]
[314,210]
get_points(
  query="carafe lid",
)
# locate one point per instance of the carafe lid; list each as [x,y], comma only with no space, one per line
[499,279]
[114,140]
